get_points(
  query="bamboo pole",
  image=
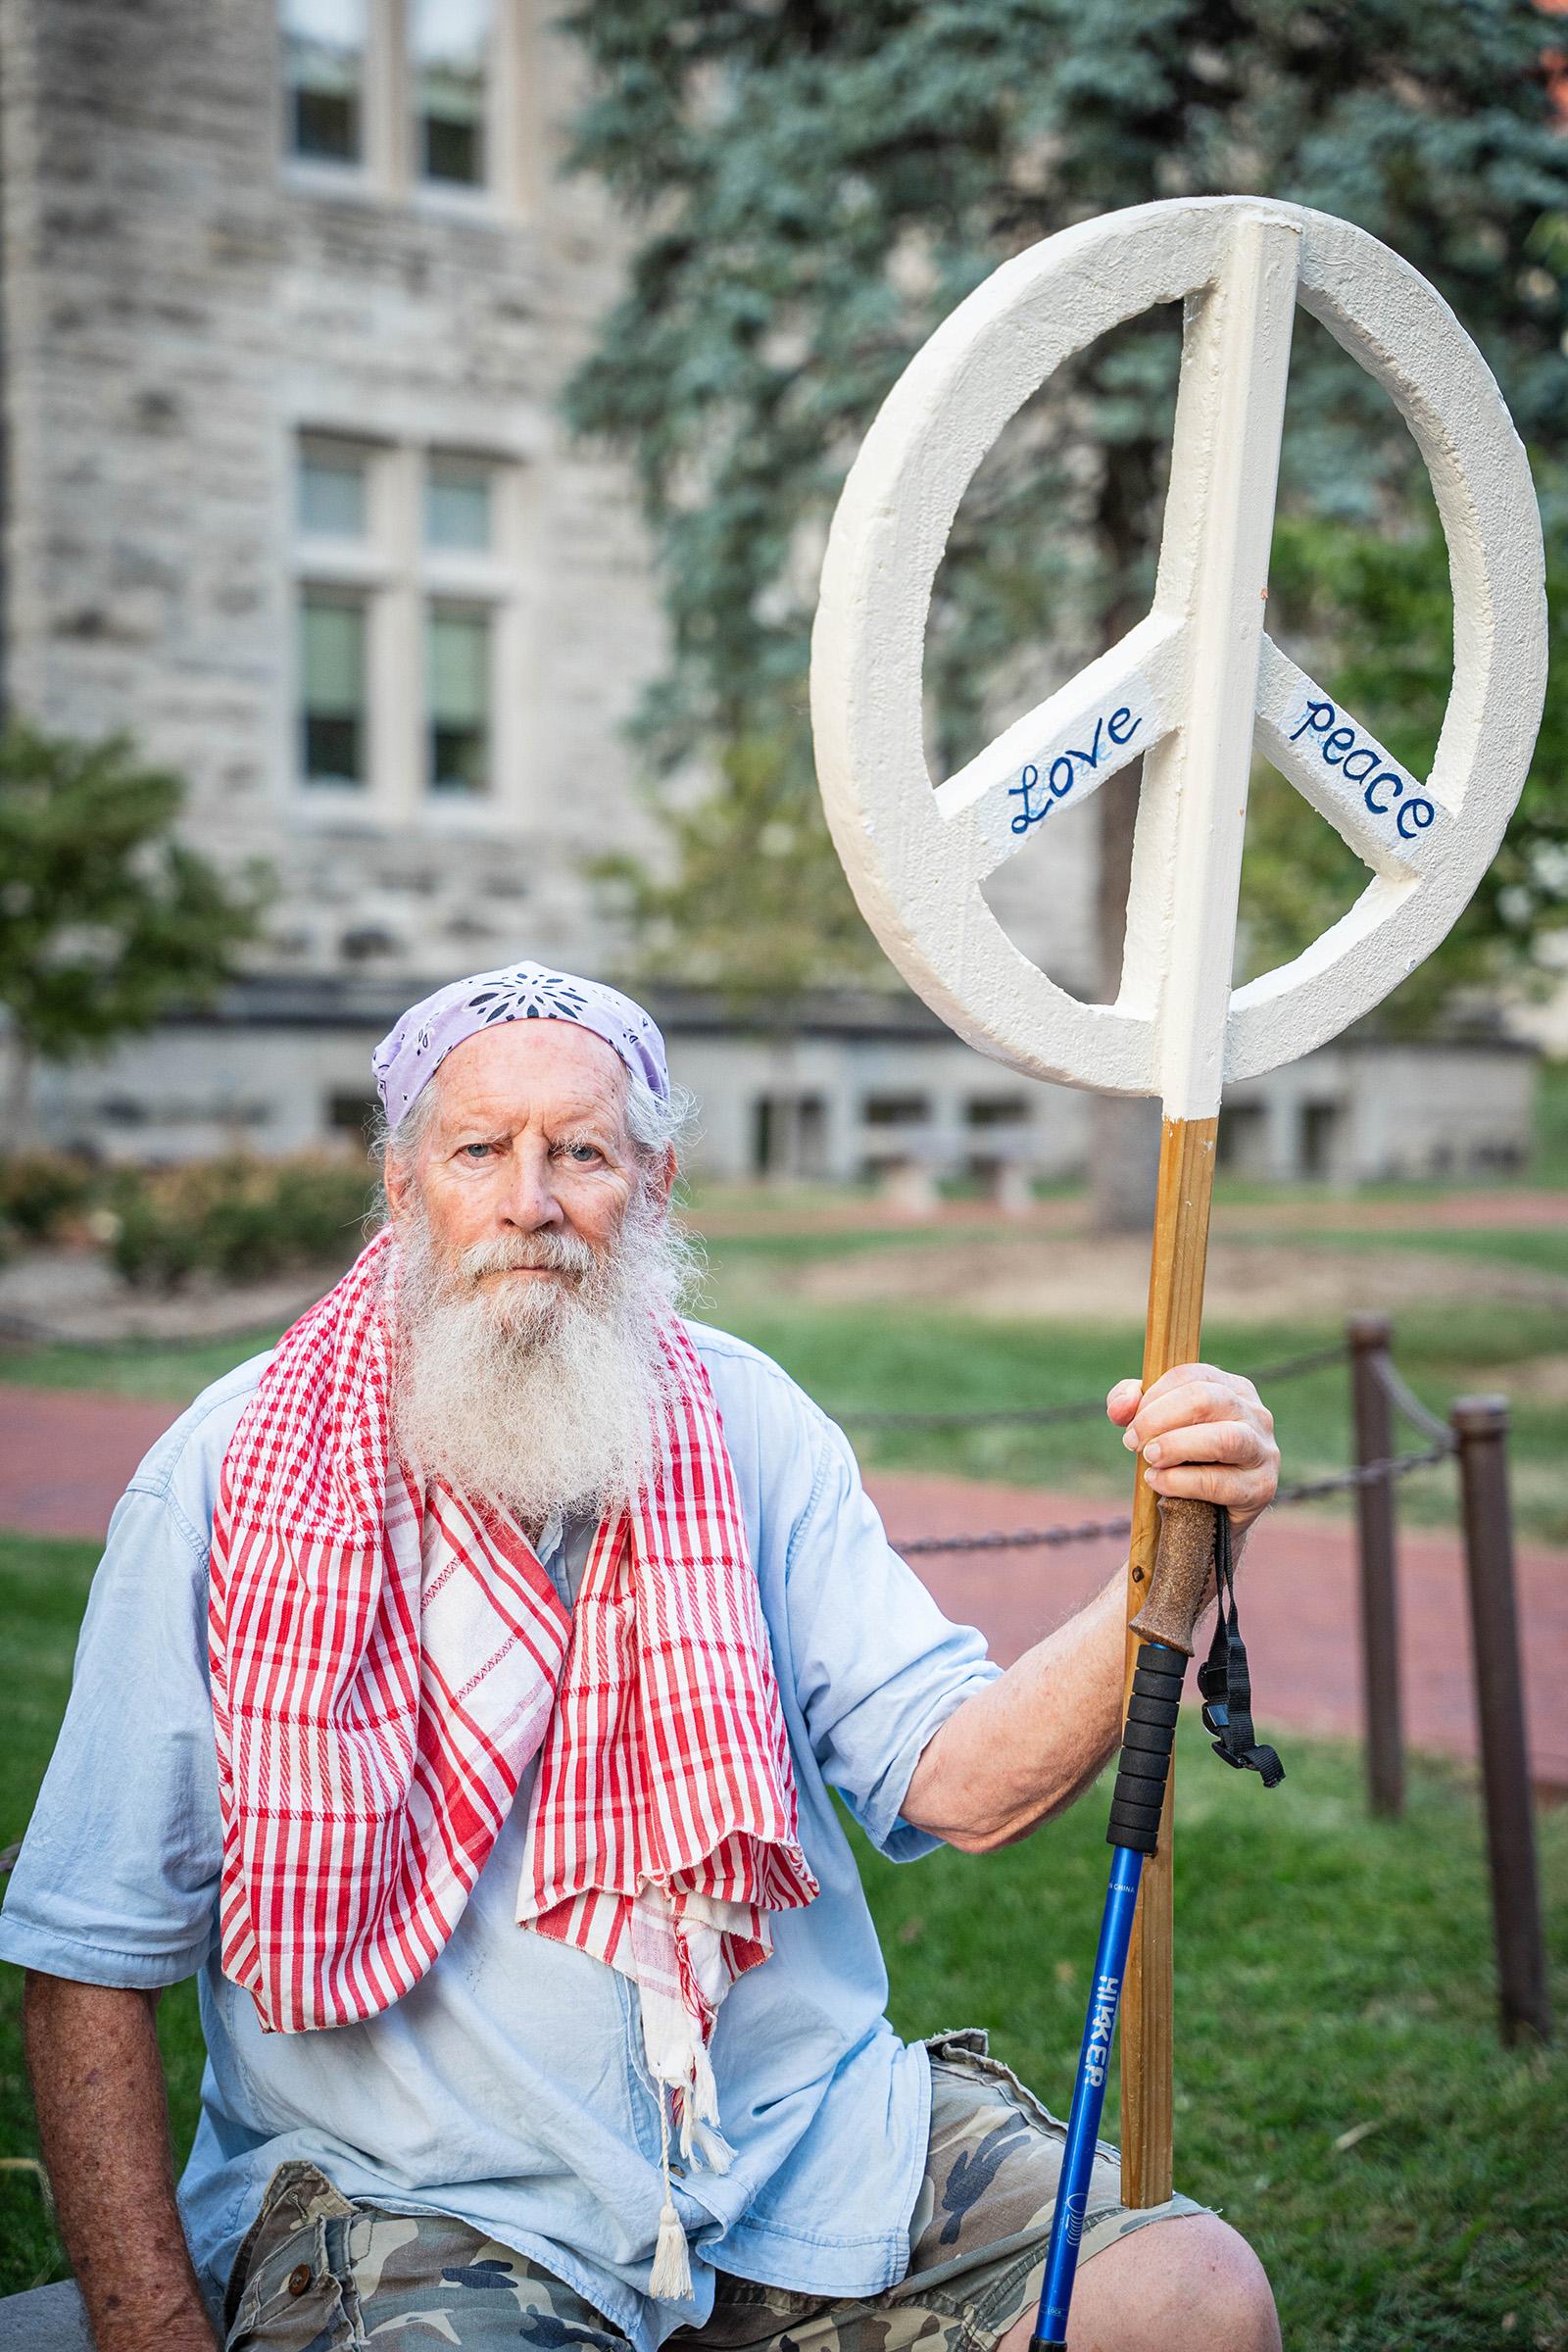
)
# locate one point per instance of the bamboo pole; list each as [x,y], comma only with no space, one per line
[1171,1336]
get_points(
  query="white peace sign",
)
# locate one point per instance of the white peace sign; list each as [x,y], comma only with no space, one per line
[1190,684]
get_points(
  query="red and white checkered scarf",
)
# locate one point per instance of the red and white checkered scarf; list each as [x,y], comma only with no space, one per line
[388,1655]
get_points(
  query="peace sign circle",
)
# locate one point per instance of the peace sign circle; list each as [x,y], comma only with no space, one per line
[1198,680]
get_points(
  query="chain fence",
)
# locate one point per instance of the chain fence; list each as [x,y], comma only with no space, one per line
[1401,1394]
[1080,1408]
[1089,1530]
[1404,1399]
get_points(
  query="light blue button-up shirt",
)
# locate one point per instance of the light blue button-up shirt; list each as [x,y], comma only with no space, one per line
[508,2087]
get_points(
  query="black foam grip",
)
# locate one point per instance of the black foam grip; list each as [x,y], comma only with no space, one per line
[1136,1817]
[1157,1681]
[1154,1738]
[1147,1737]
[1134,1837]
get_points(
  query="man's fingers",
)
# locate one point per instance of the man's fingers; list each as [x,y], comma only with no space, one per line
[1211,1442]
[1245,1493]
[1208,1398]
[1180,1374]
[1122,1401]
[1233,1463]
[1206,1434]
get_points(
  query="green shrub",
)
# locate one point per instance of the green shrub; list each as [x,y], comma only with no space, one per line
[238,1219]
[39,1191]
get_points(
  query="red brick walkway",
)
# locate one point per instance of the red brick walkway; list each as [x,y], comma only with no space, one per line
[65,1457]
[1298,1610]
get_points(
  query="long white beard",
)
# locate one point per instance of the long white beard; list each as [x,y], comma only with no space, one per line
[541,1396]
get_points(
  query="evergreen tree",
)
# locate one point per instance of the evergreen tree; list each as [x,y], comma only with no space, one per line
[109,921]
[819,182]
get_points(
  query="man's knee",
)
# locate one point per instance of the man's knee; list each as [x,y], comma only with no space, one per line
[1189,2284]
[1227,2289]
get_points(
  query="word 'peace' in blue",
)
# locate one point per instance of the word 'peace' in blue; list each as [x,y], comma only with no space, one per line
[1062,773]
[1340,747]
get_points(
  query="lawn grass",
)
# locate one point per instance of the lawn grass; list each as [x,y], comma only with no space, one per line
[1332,1973]
[43,1588]
[1541,1248]
[175,1370]
[914,1360]
[917,1359]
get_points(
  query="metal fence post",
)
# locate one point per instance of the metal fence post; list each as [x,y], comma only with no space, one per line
[1372,1422]
[1481,1430]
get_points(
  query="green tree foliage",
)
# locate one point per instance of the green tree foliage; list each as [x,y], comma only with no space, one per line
[819,182]
[107,920]
[1377,613]
[792,902]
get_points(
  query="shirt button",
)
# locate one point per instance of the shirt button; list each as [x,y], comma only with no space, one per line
[300,2278]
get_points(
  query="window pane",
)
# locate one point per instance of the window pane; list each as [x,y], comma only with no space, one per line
[457,504]
[331,662]
[449,49]
[459,686]
[324,68]
[332,493]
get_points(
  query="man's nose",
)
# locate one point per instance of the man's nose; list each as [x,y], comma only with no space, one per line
[530,1204]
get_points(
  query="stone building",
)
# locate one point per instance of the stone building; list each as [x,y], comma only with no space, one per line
[287,296]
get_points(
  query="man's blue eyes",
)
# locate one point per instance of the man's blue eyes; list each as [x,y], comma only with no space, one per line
[580,1152]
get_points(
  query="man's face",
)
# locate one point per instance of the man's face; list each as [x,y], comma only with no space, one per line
[527,1145]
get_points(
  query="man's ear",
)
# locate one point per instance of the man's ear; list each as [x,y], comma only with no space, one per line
[662,1182]
[394,1182]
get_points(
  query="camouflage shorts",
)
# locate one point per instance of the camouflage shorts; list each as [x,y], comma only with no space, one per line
[320,2274]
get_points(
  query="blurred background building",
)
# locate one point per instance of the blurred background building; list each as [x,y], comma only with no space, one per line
[289,297]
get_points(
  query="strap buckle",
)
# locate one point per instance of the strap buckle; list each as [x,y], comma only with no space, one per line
[1224,1681]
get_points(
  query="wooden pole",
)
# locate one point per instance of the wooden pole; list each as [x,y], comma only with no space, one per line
[1171,1336]
[1480,1426]
[1372,1426]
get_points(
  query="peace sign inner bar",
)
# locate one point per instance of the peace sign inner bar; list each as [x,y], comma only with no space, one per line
[1393,824]
[1066,749]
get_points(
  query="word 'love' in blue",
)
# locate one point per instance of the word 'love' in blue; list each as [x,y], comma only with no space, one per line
[1341,747]
[1119,727]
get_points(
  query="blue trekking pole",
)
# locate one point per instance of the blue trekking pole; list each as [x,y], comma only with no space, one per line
[1195,1546]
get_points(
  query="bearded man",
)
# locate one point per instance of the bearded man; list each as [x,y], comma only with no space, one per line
[460,1697]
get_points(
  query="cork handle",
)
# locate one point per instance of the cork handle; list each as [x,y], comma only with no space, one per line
[1183,1574]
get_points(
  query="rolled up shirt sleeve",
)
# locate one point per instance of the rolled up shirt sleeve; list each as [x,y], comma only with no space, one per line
[116,1880]
[878,1669]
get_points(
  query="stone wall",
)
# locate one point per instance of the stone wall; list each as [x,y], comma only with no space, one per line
[178,303]
[1372,1110]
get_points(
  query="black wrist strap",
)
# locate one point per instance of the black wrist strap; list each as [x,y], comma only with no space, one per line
[1223,1679]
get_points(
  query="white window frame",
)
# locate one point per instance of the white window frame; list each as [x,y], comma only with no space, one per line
[400,578]
[386,166]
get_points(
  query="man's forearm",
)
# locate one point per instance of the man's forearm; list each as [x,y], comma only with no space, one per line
[1026,1746]
[98,2084]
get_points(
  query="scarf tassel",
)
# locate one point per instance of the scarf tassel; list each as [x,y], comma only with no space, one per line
[700,2142]
[671,2279]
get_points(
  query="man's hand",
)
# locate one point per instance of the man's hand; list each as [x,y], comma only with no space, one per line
[1024,1746]
[1202,1432]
